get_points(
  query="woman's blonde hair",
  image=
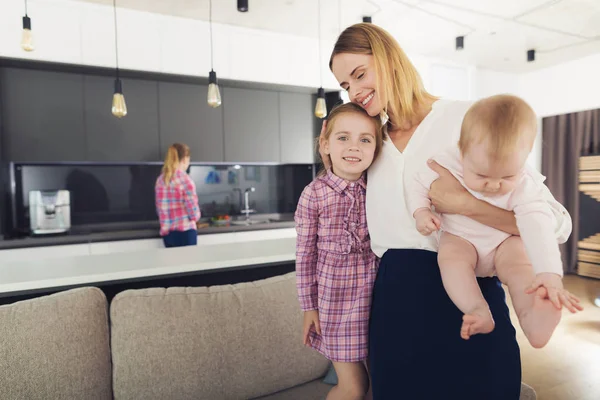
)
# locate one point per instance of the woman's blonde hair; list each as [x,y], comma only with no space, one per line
[399,86]
[351,108]
[175,154]
[505,122]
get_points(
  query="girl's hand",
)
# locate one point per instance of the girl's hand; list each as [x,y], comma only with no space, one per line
[311,318]
[324,157]
[447,195]
[555,291]
[427,221]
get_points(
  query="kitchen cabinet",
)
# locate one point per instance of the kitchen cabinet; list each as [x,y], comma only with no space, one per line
[185,117]
[42,115]
[296,127]
[251,122]
[131,138]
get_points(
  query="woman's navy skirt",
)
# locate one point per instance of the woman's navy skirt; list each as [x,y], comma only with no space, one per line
[415,348]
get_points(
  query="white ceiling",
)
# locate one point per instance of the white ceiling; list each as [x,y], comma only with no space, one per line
[497,33]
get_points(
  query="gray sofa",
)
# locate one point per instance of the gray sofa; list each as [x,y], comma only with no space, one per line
[238,341]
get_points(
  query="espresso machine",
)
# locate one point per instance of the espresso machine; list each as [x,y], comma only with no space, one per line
[49,211]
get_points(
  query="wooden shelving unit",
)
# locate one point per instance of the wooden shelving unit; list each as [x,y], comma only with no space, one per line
[588,248]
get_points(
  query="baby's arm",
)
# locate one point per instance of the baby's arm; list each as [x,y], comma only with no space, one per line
[418,202]
[307,219]
[562,220]
[535,221]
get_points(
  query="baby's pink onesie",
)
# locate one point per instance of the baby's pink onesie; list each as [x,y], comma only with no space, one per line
[535,219]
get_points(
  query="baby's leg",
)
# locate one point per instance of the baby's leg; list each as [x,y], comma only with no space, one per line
[537,315]
[353,381]
[457,259]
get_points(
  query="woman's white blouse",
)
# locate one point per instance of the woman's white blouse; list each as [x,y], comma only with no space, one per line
[390,224]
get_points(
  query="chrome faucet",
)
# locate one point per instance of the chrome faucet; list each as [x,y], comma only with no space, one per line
[247,209]
[240,205]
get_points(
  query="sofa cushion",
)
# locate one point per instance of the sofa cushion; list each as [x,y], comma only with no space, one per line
[222,342]
[56,347]
[318,389]
[314,390]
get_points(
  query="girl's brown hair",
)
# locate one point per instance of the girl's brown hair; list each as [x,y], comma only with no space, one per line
[399,86]
[175,154]
[347,108]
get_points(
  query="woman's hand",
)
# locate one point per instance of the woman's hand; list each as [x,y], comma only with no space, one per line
[447,195]
[311,318]
[324,157]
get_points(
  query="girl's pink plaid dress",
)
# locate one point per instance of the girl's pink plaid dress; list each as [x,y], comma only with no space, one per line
[335,267]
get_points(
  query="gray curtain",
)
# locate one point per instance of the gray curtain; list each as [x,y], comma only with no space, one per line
[565,138]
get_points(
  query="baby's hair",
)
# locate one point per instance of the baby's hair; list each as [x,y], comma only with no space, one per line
[347,108]
[505,122]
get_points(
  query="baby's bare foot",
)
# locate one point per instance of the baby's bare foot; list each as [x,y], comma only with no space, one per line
[539,321]
[477,321]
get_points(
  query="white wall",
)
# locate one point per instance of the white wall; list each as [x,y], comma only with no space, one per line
[565,88]
[82,33]
[488,83]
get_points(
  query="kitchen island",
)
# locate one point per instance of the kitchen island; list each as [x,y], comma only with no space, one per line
[202,265]
[99,233]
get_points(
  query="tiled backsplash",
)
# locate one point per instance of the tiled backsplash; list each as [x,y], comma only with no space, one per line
[104,193]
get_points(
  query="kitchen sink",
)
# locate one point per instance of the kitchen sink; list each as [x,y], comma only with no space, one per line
[257,220]
[244,222]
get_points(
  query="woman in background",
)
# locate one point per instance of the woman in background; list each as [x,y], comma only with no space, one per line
[176,199]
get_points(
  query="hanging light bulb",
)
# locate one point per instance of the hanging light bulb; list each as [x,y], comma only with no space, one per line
[119,108]
[27,37]
[214,95]
[321,107]
[242,5]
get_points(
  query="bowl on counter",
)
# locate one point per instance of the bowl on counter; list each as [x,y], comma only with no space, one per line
[221,220]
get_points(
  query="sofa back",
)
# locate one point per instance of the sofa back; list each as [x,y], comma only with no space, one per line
[222,342]
[56,347]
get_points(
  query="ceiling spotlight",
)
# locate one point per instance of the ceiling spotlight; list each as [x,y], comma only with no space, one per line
[530,55]
[460,42]
[242,5]
[367,19]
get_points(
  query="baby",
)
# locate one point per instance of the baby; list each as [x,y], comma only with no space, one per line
[497,135]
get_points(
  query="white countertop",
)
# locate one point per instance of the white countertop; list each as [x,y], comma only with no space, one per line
[24,276]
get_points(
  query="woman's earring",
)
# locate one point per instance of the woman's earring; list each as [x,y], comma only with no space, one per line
[384,117]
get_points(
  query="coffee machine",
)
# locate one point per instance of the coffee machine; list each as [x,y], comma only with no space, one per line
[49,211]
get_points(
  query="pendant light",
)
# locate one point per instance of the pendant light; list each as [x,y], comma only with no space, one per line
[242,5]
[27,37]
[320,107]
[119,108]
[214,95]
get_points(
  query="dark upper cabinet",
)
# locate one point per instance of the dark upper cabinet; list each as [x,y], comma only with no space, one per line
[296,120]
[66,117]
[131,138]
[185,117]
[42,115]
[251,125]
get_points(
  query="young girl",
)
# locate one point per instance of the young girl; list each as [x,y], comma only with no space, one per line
[335,266]
[497,135]
[176,199]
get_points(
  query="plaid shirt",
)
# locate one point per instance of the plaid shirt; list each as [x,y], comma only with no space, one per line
[335,267]
[176,204]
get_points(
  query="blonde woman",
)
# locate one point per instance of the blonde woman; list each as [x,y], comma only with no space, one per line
[176,199]
[415,349]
